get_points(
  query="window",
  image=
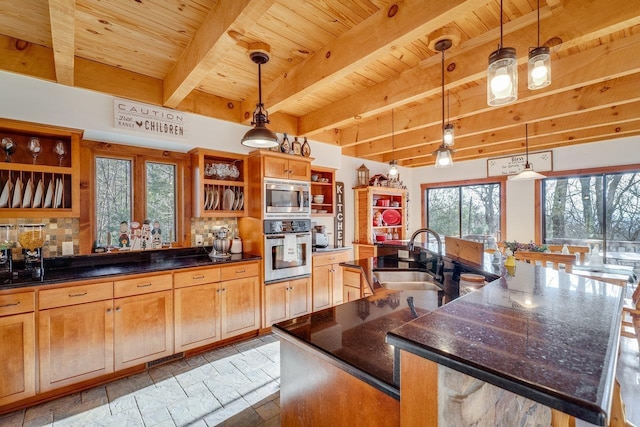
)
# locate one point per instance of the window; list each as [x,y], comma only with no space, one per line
[598,208]
[471,211]
[135,190]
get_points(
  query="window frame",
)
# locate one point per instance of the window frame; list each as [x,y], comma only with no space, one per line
[572,173]
[467,182]
[139,157]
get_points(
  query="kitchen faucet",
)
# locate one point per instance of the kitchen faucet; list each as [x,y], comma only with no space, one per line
[428,231]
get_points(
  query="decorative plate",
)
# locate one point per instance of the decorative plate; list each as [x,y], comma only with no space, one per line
[391,217]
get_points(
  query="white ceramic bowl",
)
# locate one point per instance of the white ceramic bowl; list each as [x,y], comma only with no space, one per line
[318,198]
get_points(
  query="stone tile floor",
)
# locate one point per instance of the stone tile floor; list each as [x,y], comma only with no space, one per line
[236,385]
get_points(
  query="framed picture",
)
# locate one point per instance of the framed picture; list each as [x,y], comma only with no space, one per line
[296,148]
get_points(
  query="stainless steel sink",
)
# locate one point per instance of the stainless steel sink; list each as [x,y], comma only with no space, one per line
[406,280]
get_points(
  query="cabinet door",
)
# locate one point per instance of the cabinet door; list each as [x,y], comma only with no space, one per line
[299,297]
[75,343]
[276,303]
[17,356]
[143,328]
[322,287]
[349,293]
[300,170]
[240,306]
[337,282]
[197,316]
[276,167]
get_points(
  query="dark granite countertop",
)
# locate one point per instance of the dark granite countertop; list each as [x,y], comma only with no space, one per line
[353,334]
[543,334]
[83,267]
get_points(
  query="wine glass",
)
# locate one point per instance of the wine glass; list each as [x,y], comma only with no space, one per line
[34,147]
[60,150]
[9,147]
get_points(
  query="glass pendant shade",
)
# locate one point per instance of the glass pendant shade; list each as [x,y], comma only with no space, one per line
[528,173]
[539,66]
[393,168]
[443,157]
[448,136]
[502,77]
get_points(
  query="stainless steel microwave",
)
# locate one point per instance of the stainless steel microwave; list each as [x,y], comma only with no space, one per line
[286,199]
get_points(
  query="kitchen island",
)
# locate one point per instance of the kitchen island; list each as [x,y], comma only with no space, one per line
[519,350]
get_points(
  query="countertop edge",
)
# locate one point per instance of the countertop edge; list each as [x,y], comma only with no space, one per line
[357,373]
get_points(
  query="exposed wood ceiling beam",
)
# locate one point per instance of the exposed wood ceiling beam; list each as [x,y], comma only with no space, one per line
[419,83]
[210,43]
[62,18]
[570,73]
[370,40]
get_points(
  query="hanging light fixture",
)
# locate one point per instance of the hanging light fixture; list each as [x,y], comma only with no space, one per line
[448,132]
[260,136]
[539,64]
[393,164]
[443,154]
[502,74]
[528,173]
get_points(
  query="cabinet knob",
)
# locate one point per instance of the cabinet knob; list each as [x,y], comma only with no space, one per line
[109,310]
[118,308]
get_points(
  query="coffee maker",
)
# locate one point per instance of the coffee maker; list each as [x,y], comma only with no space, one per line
[319,237]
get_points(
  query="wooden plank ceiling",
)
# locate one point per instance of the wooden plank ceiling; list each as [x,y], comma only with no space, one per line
[339,68]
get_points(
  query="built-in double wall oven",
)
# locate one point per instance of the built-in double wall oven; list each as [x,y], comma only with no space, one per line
[287,248]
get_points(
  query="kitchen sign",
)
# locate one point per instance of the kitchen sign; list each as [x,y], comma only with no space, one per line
[339,221]
[148,119]
[512,165]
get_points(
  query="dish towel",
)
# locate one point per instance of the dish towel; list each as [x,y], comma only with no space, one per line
[290,248]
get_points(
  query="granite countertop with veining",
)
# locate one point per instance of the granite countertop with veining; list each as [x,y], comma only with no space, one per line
[84,267]
[543,334]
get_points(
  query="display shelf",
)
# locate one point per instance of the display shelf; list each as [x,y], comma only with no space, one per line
[219,187]
[371,203]
[41,182]
[323,183]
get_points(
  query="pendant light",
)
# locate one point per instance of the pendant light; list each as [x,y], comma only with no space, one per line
[443,154]
[260,136]
[448,133]
[393,164]
[528,173]
[539,64]
[502,74]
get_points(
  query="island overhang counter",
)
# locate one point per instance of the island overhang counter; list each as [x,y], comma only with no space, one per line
[545,336]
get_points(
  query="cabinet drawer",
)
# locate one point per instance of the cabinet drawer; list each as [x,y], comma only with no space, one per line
[196,277]
[330,258]
[238,271]
[142,285]
[22,302]
[72,295]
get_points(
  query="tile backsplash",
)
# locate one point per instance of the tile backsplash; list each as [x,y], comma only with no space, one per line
[59,230]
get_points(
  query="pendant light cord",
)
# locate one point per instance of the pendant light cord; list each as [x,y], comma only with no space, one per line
[442,95]
[260,85]
[393,142]
[538,24]
[526,143]
[500,24]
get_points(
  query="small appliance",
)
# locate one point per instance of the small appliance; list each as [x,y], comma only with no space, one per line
[287,199]
[319,236]
[221,244]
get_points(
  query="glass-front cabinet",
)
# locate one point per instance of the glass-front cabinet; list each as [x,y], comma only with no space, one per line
[39,170]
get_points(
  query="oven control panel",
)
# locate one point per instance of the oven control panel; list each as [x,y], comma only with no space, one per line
[279,226]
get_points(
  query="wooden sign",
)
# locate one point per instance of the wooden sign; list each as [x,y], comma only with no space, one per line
[338,235]
[511,165]
[149,119]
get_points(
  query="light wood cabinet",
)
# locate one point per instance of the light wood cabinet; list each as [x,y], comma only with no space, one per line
[17,352]
[324,184]
[327,279]
[206,313]
[379,210]
[353,287]
[75,337]
[197,316]
[219,183]
[286,166]
[51,186]
[286,300]
[143,329]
